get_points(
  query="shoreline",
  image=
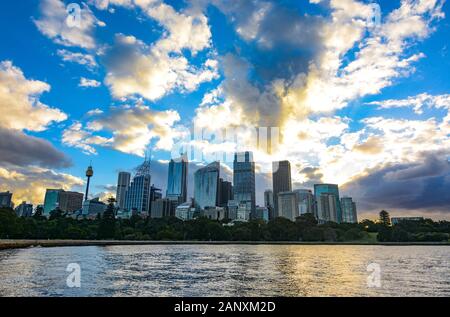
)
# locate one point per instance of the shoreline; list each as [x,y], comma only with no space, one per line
[22,244]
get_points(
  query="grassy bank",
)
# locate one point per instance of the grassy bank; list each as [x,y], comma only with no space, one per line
[19,244]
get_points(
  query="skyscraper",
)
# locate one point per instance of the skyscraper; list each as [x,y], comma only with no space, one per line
[281,180]
[268,202]
[244,180]
[305,200]
[225,192]
[206,186]
[177,179]
[322,212]
[288,205]
[70,201]
[51,201]
[123,182]
[137,199]
[327,208]
[349,214]
[6,200]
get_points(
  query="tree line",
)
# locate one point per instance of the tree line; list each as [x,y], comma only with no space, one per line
[305,228]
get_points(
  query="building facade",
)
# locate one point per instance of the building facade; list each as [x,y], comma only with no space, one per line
[163,207]
[281,181]
[70,201]
[51,201]
[262,213]
[206,186]
[305,200]
[327,208]
[269,203]
[24,210]
[330,189]
[349,213]
[288,205]
[123,183]
[137,199]
[244,179]
[6,200]
[177,179]
[225,192]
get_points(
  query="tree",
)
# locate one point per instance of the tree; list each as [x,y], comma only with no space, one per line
[107,226]
[385,219]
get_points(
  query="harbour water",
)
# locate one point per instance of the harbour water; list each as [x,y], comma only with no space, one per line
[228,270]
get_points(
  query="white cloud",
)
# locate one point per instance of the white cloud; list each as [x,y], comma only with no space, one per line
[87,60]
[29,184]
[84,82]
[19,96]
[418,102]
[131,129]
[75,136]
[52,23]
[152,71]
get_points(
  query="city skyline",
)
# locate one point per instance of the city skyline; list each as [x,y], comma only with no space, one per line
[356,102]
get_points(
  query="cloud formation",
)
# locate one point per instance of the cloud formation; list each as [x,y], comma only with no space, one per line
[53,23]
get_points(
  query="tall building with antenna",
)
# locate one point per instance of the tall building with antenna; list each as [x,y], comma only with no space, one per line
[138,195]
[89,174]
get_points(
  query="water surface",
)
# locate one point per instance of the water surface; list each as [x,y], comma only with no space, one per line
[227,270]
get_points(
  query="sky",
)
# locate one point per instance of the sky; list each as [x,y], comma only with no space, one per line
[353,92]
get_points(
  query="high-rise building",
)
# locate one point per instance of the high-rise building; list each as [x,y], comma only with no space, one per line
[123,183]
[262,213]
[244,179]
[225,192]
[137,199]
[51,201]
[305,199]
[287,205]
[163,207]
[155,194]
[349,213]
[6,200]
[331,189]
[327,208]
[177,179]
[24,210]
[70,201]
[269,203]
[281,180]
[206,186]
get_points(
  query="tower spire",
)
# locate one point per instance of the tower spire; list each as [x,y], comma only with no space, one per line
[89,174]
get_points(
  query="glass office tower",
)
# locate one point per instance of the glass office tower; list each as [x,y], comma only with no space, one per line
[281,179]
[328,189]
[206,186]
[244,180]
[349,214]
[123,182]
[51,201]
[177,180]
[139,193]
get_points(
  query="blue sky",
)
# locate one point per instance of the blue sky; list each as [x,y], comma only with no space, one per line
[365,106]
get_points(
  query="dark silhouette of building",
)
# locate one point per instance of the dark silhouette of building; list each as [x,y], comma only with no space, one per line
[281,180]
